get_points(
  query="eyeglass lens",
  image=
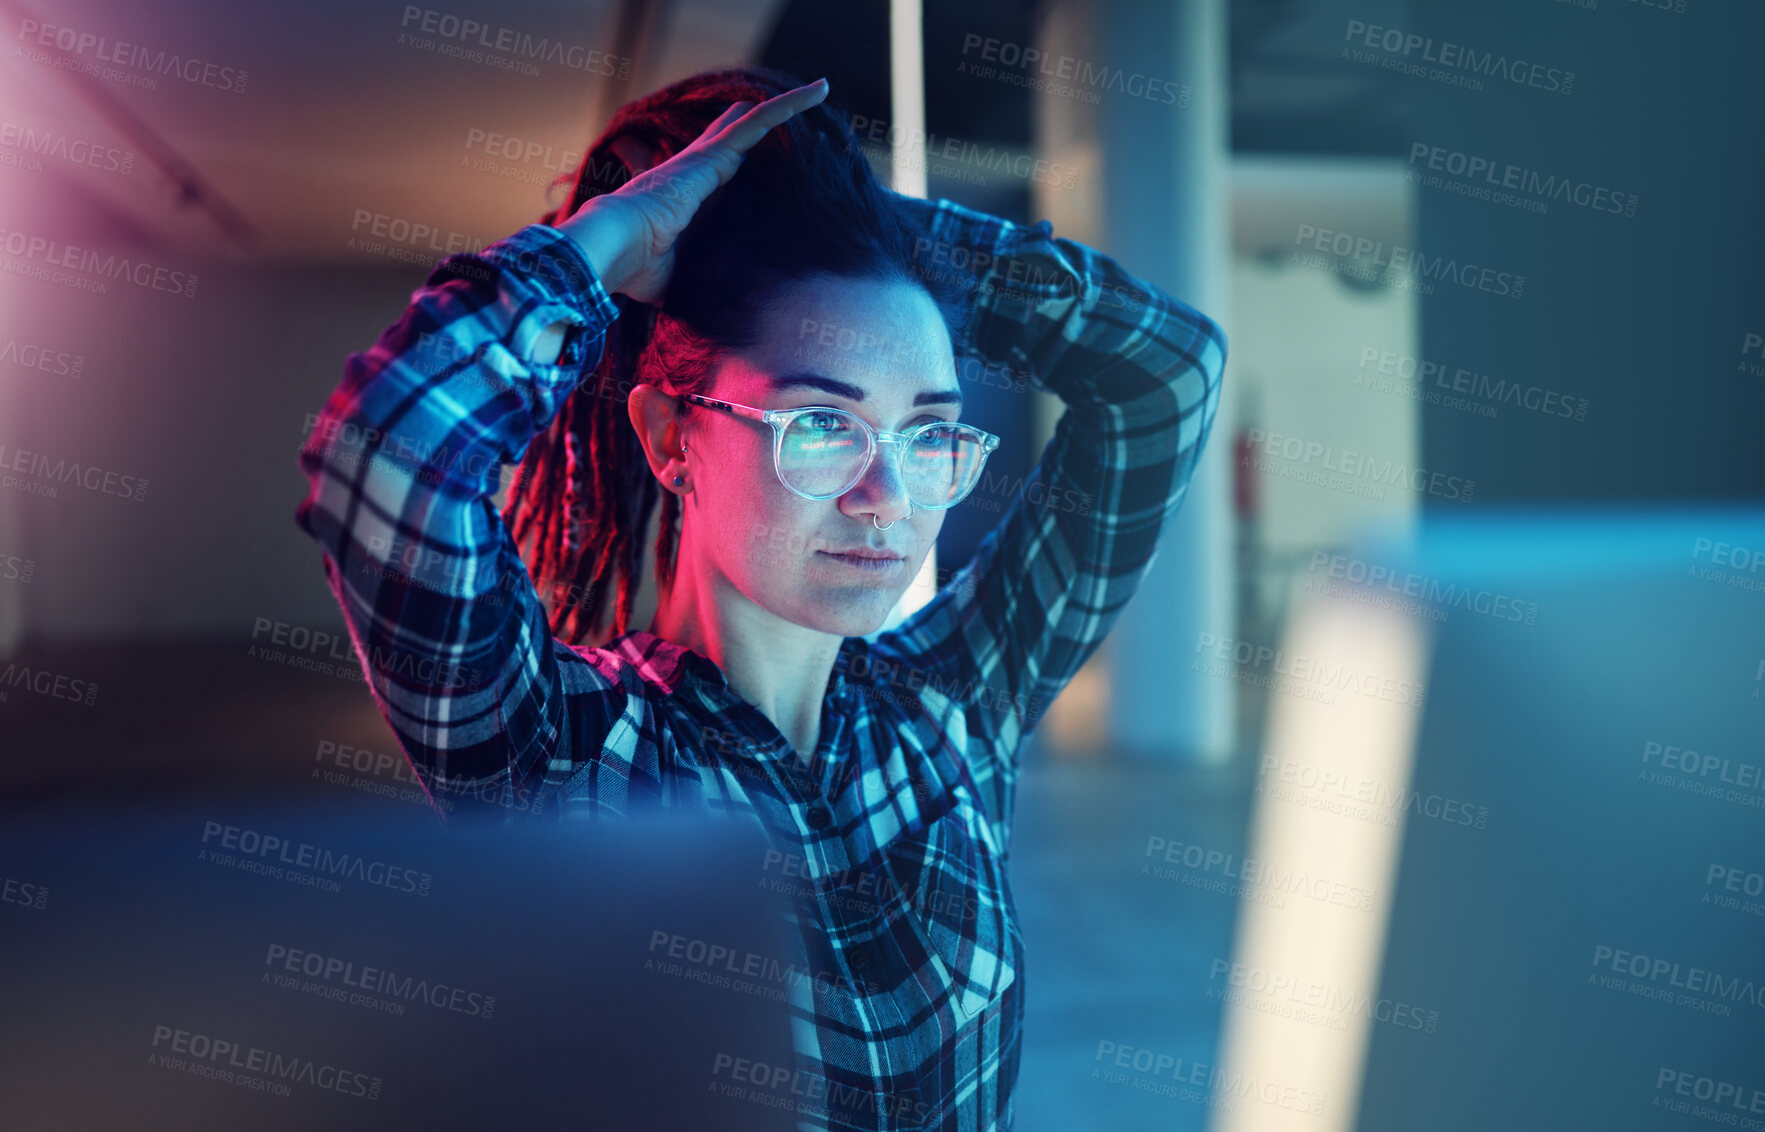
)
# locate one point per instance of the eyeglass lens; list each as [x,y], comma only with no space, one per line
[822,451]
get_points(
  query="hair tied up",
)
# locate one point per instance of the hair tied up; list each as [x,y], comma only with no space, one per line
[805,202]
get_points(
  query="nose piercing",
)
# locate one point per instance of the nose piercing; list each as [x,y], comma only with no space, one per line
[891,522]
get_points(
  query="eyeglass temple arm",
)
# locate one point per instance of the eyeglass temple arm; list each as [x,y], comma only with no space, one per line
[770,415]
[726,406]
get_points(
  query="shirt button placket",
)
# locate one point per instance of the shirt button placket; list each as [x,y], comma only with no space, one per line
[861,959]
[820,817]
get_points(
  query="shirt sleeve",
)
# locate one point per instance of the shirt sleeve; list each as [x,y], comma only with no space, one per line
[1139,372]
[404,462]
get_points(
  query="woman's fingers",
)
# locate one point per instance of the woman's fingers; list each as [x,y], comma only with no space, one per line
[735,110]
[753,125]
[739,128]
[633,229]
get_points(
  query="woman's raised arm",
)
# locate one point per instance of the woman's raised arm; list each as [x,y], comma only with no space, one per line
[404,463]
[406,458]
[1140,372]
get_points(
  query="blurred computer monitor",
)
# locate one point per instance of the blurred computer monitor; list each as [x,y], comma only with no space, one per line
[266,966]
[1596,952]
[1528,752]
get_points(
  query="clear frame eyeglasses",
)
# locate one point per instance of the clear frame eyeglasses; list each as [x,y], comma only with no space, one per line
[821,452]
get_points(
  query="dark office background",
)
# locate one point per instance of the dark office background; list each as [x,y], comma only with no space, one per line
[1300,118]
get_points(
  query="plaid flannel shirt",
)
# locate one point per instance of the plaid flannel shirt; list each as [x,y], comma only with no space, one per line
[896,827]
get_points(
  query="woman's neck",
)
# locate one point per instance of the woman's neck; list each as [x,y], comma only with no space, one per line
[780,667]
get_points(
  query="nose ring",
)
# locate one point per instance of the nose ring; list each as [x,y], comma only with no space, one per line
[891,522]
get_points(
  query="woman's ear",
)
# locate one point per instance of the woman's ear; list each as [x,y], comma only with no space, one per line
[652,414]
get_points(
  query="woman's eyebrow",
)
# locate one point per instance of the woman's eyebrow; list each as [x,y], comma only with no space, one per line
[805,380]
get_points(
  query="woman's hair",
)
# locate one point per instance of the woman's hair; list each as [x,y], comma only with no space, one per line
[805,201]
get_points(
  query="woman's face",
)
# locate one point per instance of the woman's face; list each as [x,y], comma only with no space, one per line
[879,350]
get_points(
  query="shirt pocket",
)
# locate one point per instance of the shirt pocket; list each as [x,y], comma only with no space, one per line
[958,906]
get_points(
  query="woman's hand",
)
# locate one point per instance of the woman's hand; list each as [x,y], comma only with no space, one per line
[629,234]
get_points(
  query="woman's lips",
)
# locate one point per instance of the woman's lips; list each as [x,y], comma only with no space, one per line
[871,565]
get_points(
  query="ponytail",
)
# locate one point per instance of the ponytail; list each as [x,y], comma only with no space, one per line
[583,495]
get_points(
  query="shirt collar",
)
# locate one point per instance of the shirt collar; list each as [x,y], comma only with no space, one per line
[667,665]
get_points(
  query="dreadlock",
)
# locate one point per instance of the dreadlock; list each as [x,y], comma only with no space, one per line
[804,201]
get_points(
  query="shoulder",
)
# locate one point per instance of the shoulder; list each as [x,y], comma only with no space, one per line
[599,671]
[617,750]
[616,694]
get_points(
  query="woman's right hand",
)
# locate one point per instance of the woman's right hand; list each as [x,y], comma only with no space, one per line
[629,234]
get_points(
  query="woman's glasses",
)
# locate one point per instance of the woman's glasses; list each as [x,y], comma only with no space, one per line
[822,452]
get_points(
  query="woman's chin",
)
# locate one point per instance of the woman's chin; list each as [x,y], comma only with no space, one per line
[849,611]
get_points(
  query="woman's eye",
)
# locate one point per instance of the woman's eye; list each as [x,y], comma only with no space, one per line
[826,422]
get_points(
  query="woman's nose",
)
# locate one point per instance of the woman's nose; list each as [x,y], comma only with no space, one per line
[882,487]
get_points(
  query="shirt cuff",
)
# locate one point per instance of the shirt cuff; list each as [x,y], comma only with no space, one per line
[544,278]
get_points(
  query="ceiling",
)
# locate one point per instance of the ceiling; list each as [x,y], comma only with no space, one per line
[357,138]
[350,118]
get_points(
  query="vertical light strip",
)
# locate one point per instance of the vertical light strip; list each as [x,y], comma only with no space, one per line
[907,97]
[1294,1021]
[907,172]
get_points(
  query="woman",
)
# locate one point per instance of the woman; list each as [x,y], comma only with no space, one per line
[883,769]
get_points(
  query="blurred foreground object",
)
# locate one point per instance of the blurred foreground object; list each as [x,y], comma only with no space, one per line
[1510,835]
[279,967]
